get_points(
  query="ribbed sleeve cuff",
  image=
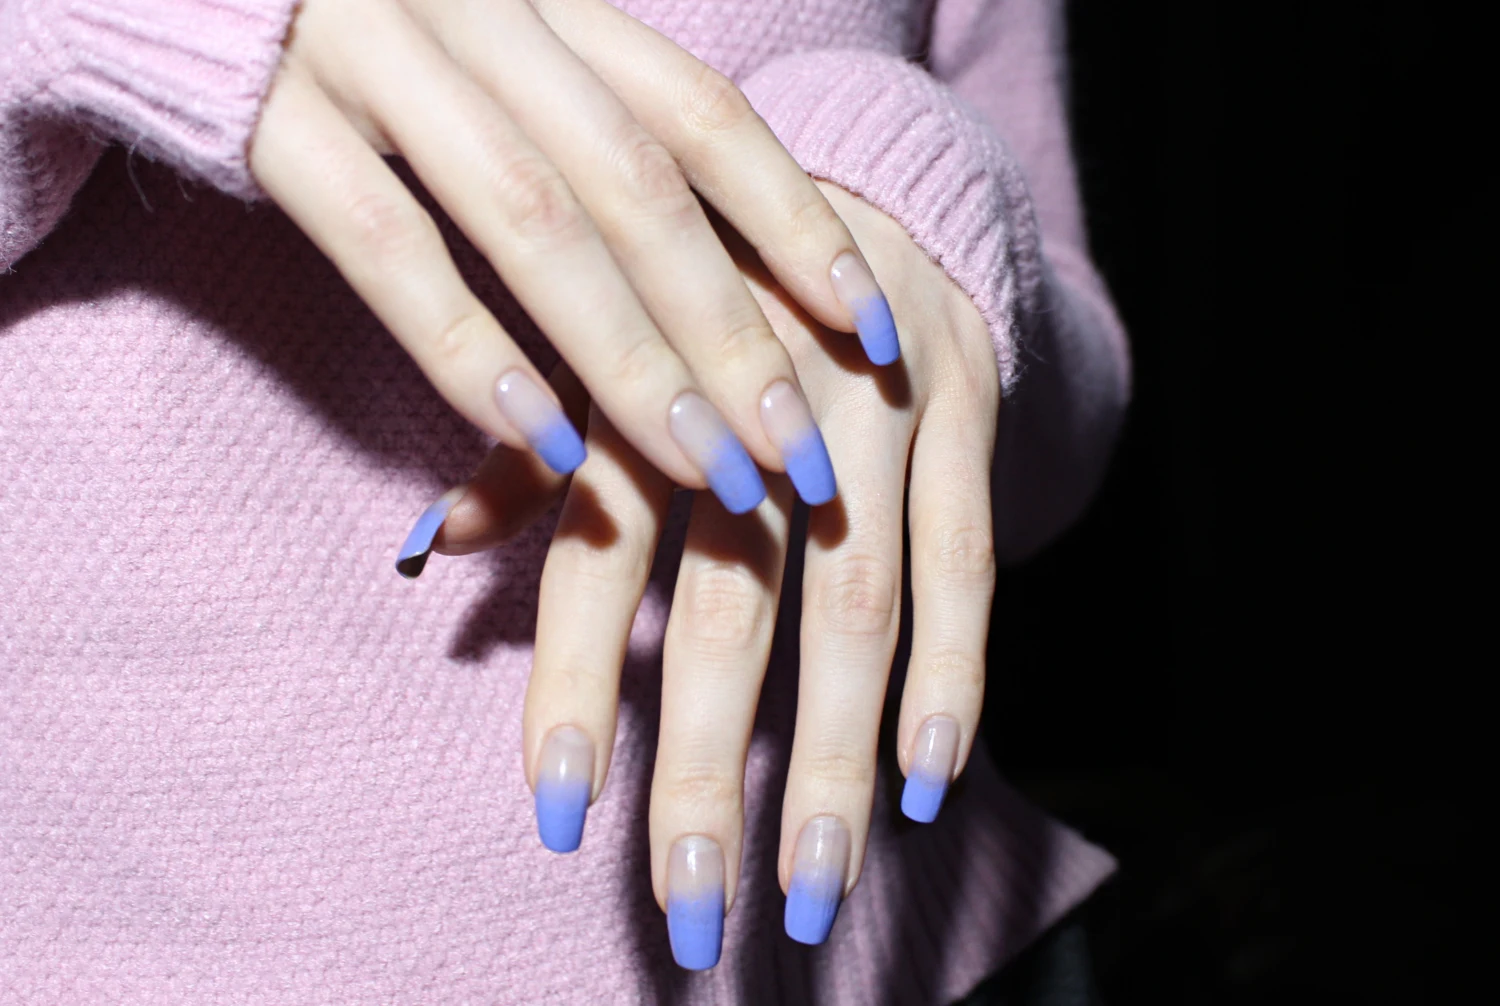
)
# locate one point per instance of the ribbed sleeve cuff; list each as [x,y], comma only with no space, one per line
[889,132]
[181,81]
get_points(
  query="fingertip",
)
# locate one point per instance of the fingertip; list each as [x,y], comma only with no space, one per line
[564,784]
[933,763]
[858,291]
[412,558]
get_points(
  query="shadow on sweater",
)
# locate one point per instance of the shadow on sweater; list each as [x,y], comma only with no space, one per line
[137,241]
[128,243]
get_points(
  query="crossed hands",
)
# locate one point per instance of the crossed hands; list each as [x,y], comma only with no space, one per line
[568,141]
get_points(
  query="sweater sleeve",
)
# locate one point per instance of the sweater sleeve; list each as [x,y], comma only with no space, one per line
[969,152]
[179,81]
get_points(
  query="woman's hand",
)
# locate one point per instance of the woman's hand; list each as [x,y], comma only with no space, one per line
[566,139]
[927,428]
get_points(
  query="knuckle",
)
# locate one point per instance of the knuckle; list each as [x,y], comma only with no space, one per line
[638,358]
[391,230]
[725,608]
[651,176]
[698,784]
[595,570]
[742,335]
[964,551]
[812,218]
[714,105]
[574,675]
[841,768]
[455,342]
[537,202]
[955,670]
[858,596]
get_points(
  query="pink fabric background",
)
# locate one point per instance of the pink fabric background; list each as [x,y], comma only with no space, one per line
[240,760]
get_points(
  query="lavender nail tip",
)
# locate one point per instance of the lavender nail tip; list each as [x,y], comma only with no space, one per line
[734,478]
[923,797]
[877,330]
[811,907]
[811,470]
[695,927]
[560,446]
[412,558]
[561,809]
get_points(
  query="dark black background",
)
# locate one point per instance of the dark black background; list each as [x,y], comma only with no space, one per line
[1214,674]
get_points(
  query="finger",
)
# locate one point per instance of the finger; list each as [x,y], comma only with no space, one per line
[327,178]
[591,586]
[660,236]
[710,128]
[953,585]
[851,613]
[519,211]
[714,658]
[511,488]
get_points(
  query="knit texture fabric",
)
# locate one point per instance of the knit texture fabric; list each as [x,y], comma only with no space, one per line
[241,761]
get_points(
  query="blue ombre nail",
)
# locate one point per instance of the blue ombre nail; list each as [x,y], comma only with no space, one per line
[922,796]
[695,902]
[564,782]
[789,424]
[857,290]
[541,421]
[818,871]
[412,558]
[712,446]
[931,768]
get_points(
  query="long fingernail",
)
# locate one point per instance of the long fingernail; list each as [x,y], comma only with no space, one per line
[412,558]
[856,288]
[931,767]
[789,424]
[695,901]
[818,872]
[713,447]
[540,421]
[564,781]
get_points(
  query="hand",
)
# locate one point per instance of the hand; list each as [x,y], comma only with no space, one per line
[927,428]
[566,139]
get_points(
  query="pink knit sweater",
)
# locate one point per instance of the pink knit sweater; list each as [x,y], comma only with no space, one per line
[241,761]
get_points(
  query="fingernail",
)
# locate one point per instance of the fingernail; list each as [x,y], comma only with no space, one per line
[564,780]
[931,767]
[818,872]
[412,558]
[856,288]
[718,453]
[540,421]
[695,901]
[789,424]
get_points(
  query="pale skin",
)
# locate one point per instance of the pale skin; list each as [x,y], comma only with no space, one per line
[567,140]
[915,445]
